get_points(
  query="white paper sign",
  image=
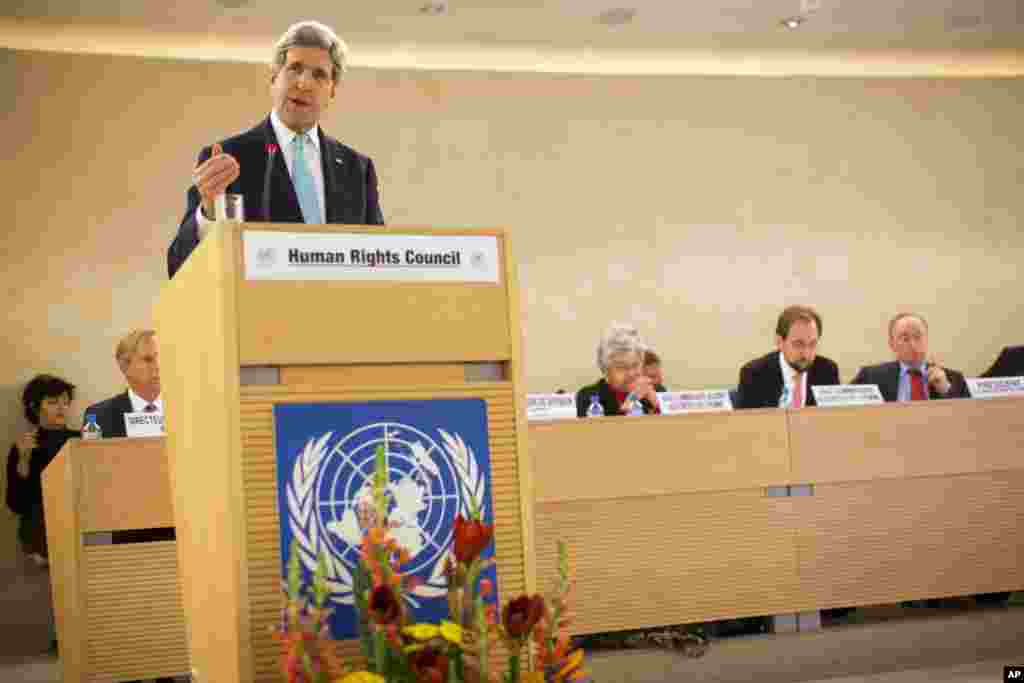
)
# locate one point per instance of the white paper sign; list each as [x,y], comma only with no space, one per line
[273,255]
[550,406]
[994,387]
[705,401]
[144,424]
[834,395]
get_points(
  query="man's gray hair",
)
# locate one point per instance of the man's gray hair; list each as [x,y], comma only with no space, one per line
[312,34]
[619,338]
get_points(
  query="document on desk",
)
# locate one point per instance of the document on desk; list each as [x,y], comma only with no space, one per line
[995,387]
[542,407]
[834,395]
[704,401]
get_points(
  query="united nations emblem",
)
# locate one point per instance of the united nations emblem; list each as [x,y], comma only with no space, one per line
[266,256]
[432,479]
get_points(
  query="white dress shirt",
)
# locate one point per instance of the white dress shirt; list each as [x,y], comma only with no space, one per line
[314,160]
[139,404]
[789,384]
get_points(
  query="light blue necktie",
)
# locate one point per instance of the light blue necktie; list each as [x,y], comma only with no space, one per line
[305,188]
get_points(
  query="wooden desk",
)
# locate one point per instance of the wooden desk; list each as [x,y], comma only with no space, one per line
[681,519]
[118,607]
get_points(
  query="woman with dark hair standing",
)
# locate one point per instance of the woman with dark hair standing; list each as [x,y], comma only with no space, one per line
[46,400]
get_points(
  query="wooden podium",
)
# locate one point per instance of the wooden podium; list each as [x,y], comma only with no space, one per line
[118,607]
[232,347]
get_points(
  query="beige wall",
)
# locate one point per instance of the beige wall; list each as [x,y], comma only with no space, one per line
[694,206]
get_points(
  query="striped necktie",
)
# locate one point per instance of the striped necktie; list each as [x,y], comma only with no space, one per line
[305,188]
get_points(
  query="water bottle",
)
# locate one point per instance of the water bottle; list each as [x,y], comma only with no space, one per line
[91,430]
[635,407]
[595,409]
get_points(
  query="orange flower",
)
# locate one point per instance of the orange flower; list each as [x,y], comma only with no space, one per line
[472,536]
[521,615]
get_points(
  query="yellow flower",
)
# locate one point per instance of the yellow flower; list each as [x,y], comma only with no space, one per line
[361,677]
[451,632]
[422,631]
[533,677]
[572,663]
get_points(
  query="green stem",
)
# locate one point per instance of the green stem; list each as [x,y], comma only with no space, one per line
[379,652]
[513,668]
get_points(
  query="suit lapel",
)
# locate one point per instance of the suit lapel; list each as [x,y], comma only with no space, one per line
[892,382]
[329,158]
[124,405]
[780,381]
[284,201]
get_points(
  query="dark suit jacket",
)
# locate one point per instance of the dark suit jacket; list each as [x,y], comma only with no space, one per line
[761,382]
[887,377]
[350,188]
[110,415]
[1009,364]
[607,399]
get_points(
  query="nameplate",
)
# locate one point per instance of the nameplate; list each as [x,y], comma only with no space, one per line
[542,407]
[995,387]
[143,424]
[835,395]
[345,256]
[705,401]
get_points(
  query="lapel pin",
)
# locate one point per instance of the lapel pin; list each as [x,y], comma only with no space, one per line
[338,160]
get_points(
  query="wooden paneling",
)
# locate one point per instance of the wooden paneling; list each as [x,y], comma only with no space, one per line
[263,570]
[671,559]
[398,374]
[658,455]
[196,324]
[134,620]
[669,520]
[897,440]
[132,472]
[64,546]
[314,322]
[882,541]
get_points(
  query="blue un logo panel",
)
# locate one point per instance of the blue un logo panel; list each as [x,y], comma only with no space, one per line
[439,467]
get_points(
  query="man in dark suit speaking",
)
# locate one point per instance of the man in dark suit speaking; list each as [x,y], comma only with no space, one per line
[286,168]
[913,376]
[783,378]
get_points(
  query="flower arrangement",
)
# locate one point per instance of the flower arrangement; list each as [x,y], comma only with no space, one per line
[461,649]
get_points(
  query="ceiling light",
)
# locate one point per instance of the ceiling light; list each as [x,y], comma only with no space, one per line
[434,9]
[793,22]
[618,16]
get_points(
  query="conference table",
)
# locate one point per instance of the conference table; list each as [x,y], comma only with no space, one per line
[706,516]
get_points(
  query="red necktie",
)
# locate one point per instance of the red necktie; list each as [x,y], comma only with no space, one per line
[916,386]
[798,391]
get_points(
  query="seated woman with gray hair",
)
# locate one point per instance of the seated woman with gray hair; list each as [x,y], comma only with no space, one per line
[620,356]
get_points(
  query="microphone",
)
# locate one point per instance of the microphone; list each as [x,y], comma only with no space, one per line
[271,153]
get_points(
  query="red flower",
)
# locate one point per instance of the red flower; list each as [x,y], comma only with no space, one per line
[521,615]
[429,665]
[383,605]
[471,537]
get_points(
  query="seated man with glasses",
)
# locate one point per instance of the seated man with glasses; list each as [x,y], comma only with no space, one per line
[286,168]
[913,376]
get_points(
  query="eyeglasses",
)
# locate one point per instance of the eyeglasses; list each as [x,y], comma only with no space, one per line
[294,71]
